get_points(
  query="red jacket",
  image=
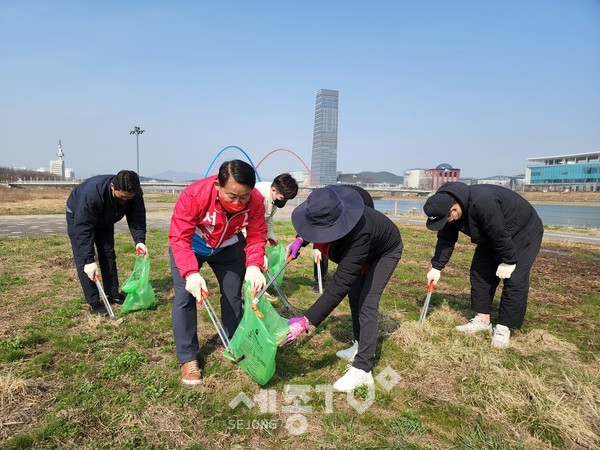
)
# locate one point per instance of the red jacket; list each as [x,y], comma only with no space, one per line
[198,211]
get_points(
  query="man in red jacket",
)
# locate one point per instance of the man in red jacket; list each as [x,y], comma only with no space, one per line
[205,220]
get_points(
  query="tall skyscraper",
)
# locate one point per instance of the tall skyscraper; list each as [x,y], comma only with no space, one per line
[323,164]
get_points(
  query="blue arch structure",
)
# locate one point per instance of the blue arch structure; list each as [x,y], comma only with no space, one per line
[241,150]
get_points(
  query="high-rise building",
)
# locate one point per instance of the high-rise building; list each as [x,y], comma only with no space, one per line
[323,164]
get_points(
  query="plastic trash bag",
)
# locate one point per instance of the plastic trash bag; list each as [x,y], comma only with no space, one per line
[276,256]
[257,338]
[140,294]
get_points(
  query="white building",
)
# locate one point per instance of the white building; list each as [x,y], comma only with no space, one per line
[416,179]
[69,173]
[505,182]
[302,177]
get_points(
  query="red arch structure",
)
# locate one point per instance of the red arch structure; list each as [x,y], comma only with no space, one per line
[300,159]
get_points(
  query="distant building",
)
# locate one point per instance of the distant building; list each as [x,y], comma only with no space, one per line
[57,166]
[577,171]
[302,177]
[325,137]
[505,182]
[443,173]
[69,173]
[354,178]
[416,179]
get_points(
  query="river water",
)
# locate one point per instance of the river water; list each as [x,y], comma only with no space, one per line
[554,215]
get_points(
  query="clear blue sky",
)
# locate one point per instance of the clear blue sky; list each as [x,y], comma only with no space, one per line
[481,85]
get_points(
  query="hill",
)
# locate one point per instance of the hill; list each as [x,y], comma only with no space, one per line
[173,175]
[371,177]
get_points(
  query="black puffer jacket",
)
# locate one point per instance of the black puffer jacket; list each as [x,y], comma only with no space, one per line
[493,216]
[372,237]
[92,205]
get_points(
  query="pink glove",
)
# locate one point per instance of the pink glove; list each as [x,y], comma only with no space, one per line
[298,325]
[294,248]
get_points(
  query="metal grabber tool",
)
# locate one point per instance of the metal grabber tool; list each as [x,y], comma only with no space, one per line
[219,327]
[103,297]
[263,290]
[430,289]
[319,275]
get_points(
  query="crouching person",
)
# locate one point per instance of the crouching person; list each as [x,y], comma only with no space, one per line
[508,233]
[367,246]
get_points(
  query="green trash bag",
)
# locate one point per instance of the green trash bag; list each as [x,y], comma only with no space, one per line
[257,338]
[140,294]
[276,256]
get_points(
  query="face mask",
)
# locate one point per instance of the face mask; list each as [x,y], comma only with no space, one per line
[279,203]
[232,207]
[119,201]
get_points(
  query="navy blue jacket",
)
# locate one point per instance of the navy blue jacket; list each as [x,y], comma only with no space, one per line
[493,216]
[92,205]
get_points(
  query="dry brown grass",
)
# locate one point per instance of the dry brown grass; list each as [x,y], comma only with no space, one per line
[21,401]
[462,368]
[575,198]
[31,201]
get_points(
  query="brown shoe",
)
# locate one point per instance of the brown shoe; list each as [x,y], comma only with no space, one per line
[190,373]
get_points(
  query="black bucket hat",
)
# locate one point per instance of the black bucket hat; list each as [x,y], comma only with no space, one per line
[328,214]
[437,207]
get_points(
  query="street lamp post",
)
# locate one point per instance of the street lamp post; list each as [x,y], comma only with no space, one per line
[137,131]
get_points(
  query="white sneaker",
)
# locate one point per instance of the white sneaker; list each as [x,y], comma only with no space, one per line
[475,325]
[501,337]
[349,353]
[352,379]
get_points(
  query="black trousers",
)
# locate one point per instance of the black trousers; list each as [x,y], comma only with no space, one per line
[515,290]
[229,271]
[364,298]
[104,240]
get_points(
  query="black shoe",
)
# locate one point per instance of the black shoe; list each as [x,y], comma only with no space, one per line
[315,288]
[119,299]
[98,309]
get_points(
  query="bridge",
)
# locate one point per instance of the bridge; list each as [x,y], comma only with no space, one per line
[376,192]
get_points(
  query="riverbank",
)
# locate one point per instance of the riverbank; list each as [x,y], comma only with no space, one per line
[548,198]
[52,200]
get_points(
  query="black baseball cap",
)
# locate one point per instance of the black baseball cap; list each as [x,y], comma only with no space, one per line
[437,207]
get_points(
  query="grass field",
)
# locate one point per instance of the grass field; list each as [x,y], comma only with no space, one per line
[70,380]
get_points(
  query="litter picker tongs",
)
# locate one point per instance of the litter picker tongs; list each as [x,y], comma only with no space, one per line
[430,289]
[103,297]
[263,290]
[319,274]
[219,328]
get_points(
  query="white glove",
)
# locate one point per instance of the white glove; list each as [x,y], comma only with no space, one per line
[317,256]
[141,250]
[505,270]
[266,264]
[255,276]
[433,275]
[195,284]
[91,270]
